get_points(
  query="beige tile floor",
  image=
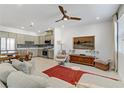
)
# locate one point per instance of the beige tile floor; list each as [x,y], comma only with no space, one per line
[41,64]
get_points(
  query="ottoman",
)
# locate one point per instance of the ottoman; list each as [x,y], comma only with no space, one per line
[101,64]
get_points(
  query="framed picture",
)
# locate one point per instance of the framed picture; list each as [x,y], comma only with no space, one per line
[85,42]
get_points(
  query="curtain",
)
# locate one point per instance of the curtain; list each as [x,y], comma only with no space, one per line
[115,26]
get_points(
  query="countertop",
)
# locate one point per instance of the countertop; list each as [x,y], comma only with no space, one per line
[33,48]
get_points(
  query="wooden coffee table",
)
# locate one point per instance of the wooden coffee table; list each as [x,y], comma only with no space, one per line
[3,57]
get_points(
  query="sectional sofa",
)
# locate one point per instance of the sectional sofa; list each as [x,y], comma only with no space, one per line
[18,75]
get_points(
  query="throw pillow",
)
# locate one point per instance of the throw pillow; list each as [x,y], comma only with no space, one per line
[21,80]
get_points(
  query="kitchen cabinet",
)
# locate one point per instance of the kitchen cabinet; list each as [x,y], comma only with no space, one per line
[42,39]
[20,39]
[28,38]
[48,37]
[3,34]
[12,35]
[34,51]
[52,39]
[25,37]
[36,39]
[50,53]
[40,52]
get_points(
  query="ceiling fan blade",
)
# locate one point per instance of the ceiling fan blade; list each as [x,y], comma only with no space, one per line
[58,20]
[75,18]
[62,10]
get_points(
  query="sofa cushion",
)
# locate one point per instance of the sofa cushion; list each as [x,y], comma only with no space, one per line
[5,70]
[21,80]
[2,85]
[23,66]
[28,67]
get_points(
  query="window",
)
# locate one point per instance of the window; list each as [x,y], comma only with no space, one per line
[3,43]
[10,44]
[7,44]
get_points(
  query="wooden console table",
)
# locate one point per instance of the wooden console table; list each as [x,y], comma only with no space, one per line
[85,60]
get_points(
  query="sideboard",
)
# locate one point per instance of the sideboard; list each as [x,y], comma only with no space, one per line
[85,60]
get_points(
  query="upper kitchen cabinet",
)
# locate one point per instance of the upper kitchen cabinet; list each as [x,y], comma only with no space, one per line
[20,39]
[42,39]
[46,36]
[12,35]
[36,39]
[3,34]
[28,38]
[52,39]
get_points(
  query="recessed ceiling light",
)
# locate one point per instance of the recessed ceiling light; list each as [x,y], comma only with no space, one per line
[65,19]
[32,24]
[39,31]
[97,18]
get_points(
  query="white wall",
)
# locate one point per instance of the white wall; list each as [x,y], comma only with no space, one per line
[57,37]
[121,48]
[121,42]
[104,38]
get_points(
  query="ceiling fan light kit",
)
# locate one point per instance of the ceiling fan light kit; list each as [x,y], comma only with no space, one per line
[65,19]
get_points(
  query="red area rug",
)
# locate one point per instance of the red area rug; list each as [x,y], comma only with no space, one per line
[69,75]
[64,73]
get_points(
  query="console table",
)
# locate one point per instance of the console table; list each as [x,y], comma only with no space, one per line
[85,60]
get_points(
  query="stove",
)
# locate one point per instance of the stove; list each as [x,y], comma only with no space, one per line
[45,52]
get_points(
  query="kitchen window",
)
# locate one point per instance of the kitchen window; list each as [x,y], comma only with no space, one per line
[7,44]
[10,44]
[3,43]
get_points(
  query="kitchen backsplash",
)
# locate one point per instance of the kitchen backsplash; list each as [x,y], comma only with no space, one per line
[34,45]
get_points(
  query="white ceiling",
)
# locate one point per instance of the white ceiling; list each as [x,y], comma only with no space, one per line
[45,15]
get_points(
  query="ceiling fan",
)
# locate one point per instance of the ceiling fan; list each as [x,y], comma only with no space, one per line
[65,16]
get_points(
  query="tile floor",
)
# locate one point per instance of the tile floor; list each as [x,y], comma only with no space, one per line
[41,64]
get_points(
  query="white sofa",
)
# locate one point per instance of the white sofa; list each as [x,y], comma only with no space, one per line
[12,78]
[2,85]
[20,79]
[5,70]
[22,66]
